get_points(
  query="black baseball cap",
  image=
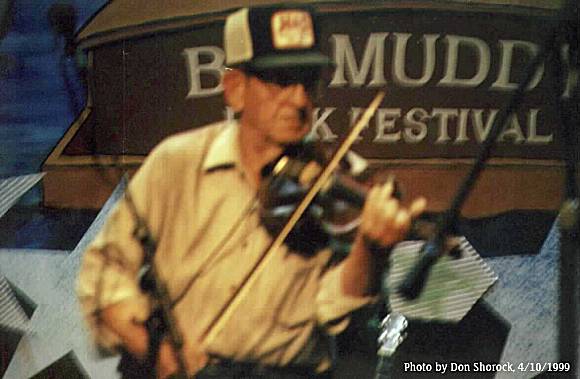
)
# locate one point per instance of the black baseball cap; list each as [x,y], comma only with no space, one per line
[273,37]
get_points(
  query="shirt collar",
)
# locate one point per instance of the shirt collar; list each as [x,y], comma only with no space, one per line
[224,151]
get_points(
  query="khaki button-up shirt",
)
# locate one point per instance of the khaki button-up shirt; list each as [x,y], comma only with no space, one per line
[202,211]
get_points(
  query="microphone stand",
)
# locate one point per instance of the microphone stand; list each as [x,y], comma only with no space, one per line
[162,320]
[432,250]
[413,284]
[415,280]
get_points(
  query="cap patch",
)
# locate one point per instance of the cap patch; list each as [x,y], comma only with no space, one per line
[292,29]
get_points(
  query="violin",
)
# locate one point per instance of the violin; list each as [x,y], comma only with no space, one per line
[333,217]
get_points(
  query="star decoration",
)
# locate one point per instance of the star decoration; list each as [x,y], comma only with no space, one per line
[12,315]
[451,289]
[12,189]
[526,295]
[49,279]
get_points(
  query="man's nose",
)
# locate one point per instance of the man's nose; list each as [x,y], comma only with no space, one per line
[298,95]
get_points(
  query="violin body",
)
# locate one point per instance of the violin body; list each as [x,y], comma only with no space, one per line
[333,217]
[281,191]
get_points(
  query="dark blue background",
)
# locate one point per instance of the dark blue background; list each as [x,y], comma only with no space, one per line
[35,106]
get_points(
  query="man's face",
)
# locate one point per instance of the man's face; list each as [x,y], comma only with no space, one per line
[278,103]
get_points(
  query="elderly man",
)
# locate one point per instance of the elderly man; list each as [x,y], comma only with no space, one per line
[197,192]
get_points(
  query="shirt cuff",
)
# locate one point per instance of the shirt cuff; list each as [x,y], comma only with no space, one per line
[334,306]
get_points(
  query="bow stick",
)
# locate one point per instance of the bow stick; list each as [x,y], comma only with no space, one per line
[227,310]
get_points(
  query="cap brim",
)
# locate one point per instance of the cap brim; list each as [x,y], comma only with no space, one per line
[311,59]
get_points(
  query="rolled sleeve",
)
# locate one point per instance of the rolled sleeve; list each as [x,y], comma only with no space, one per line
[105,280]
[333,305]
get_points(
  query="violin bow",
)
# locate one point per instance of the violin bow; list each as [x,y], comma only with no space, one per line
[242,291]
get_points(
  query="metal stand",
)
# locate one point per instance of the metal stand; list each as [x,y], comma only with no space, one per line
[566,30]
[162,321]
[569,264]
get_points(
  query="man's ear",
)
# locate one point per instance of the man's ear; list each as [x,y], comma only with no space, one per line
[234,83]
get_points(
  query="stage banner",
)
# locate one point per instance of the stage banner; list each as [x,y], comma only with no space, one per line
[447,71]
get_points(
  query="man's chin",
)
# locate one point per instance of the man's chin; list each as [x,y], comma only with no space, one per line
[294,136]
[290,131]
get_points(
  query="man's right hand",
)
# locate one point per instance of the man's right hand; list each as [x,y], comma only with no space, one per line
[124,319]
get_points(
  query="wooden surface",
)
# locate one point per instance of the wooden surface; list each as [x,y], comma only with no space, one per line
[504,185]
[80,188]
